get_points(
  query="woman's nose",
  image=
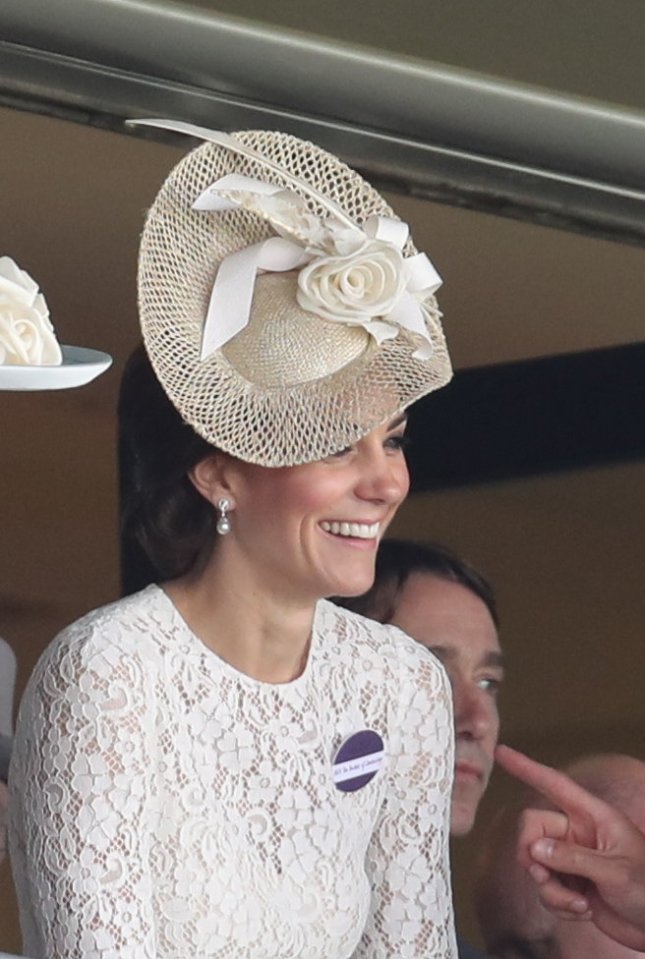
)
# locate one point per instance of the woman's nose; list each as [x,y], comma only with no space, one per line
[384,477]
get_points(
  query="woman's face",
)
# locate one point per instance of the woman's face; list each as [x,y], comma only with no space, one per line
[313,530]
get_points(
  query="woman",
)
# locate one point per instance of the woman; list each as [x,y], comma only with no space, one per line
[225,764]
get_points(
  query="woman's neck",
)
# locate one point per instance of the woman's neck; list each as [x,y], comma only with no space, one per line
[244,620]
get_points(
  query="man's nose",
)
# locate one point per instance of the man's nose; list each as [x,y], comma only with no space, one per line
[475,711]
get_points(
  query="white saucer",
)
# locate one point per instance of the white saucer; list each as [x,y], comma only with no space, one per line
[79,366]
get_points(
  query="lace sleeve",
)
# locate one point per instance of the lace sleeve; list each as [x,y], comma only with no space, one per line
[407,861]
[82,788]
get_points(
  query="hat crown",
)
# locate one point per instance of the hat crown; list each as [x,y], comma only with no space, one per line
[284,345]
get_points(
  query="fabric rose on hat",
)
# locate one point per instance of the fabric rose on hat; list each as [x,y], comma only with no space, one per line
[27,336]
[353,287]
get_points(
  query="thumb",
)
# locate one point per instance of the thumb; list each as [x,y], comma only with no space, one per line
[568,858]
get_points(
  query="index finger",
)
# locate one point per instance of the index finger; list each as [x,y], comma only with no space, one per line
[555,786]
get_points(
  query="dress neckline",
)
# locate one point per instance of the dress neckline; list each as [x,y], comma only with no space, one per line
[215,663]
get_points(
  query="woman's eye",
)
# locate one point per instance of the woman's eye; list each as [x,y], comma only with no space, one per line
[400,442]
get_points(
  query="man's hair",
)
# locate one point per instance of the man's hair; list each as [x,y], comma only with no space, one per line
[397,560]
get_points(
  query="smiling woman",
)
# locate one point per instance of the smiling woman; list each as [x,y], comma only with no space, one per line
[224,764]
[310,529]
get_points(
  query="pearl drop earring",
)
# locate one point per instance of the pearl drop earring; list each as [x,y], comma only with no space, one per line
[223,523]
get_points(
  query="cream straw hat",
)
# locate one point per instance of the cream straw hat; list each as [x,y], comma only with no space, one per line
[283,306]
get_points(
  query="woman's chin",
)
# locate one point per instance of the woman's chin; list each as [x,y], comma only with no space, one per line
[352,586]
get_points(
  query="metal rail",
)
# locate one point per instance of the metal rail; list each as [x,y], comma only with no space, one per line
[412,126]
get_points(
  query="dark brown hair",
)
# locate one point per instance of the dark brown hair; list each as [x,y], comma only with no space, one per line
[161,511]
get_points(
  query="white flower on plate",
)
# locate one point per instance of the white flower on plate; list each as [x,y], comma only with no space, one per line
[353,287]
[27,336]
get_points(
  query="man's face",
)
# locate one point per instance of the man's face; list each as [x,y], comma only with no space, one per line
[456,626]
[516,926]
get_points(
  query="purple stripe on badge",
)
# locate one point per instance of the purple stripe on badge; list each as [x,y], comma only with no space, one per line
[358,760]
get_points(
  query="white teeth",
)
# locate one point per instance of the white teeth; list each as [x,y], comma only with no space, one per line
[357,530]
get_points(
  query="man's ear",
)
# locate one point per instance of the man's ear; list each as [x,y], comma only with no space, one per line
[210,478]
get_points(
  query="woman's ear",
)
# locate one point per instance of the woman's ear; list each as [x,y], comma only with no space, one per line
[210,479]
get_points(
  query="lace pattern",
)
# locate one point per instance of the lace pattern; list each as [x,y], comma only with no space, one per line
[166,805]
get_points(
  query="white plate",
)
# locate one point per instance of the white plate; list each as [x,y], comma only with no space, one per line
[79,366]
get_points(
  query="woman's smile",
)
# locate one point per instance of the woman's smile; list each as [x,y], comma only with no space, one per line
[352,529]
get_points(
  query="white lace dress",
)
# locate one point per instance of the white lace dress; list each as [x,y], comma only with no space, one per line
[167,806]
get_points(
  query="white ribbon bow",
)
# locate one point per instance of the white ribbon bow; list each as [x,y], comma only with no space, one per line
[307,239]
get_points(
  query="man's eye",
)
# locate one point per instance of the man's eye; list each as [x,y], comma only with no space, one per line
[490,684]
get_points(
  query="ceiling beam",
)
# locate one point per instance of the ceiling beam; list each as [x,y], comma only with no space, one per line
[421,128]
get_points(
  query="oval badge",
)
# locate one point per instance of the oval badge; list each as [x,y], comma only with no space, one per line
[358,760]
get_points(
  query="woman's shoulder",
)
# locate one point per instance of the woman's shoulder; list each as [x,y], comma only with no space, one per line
[383,646]
[129,626]
[103,665]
